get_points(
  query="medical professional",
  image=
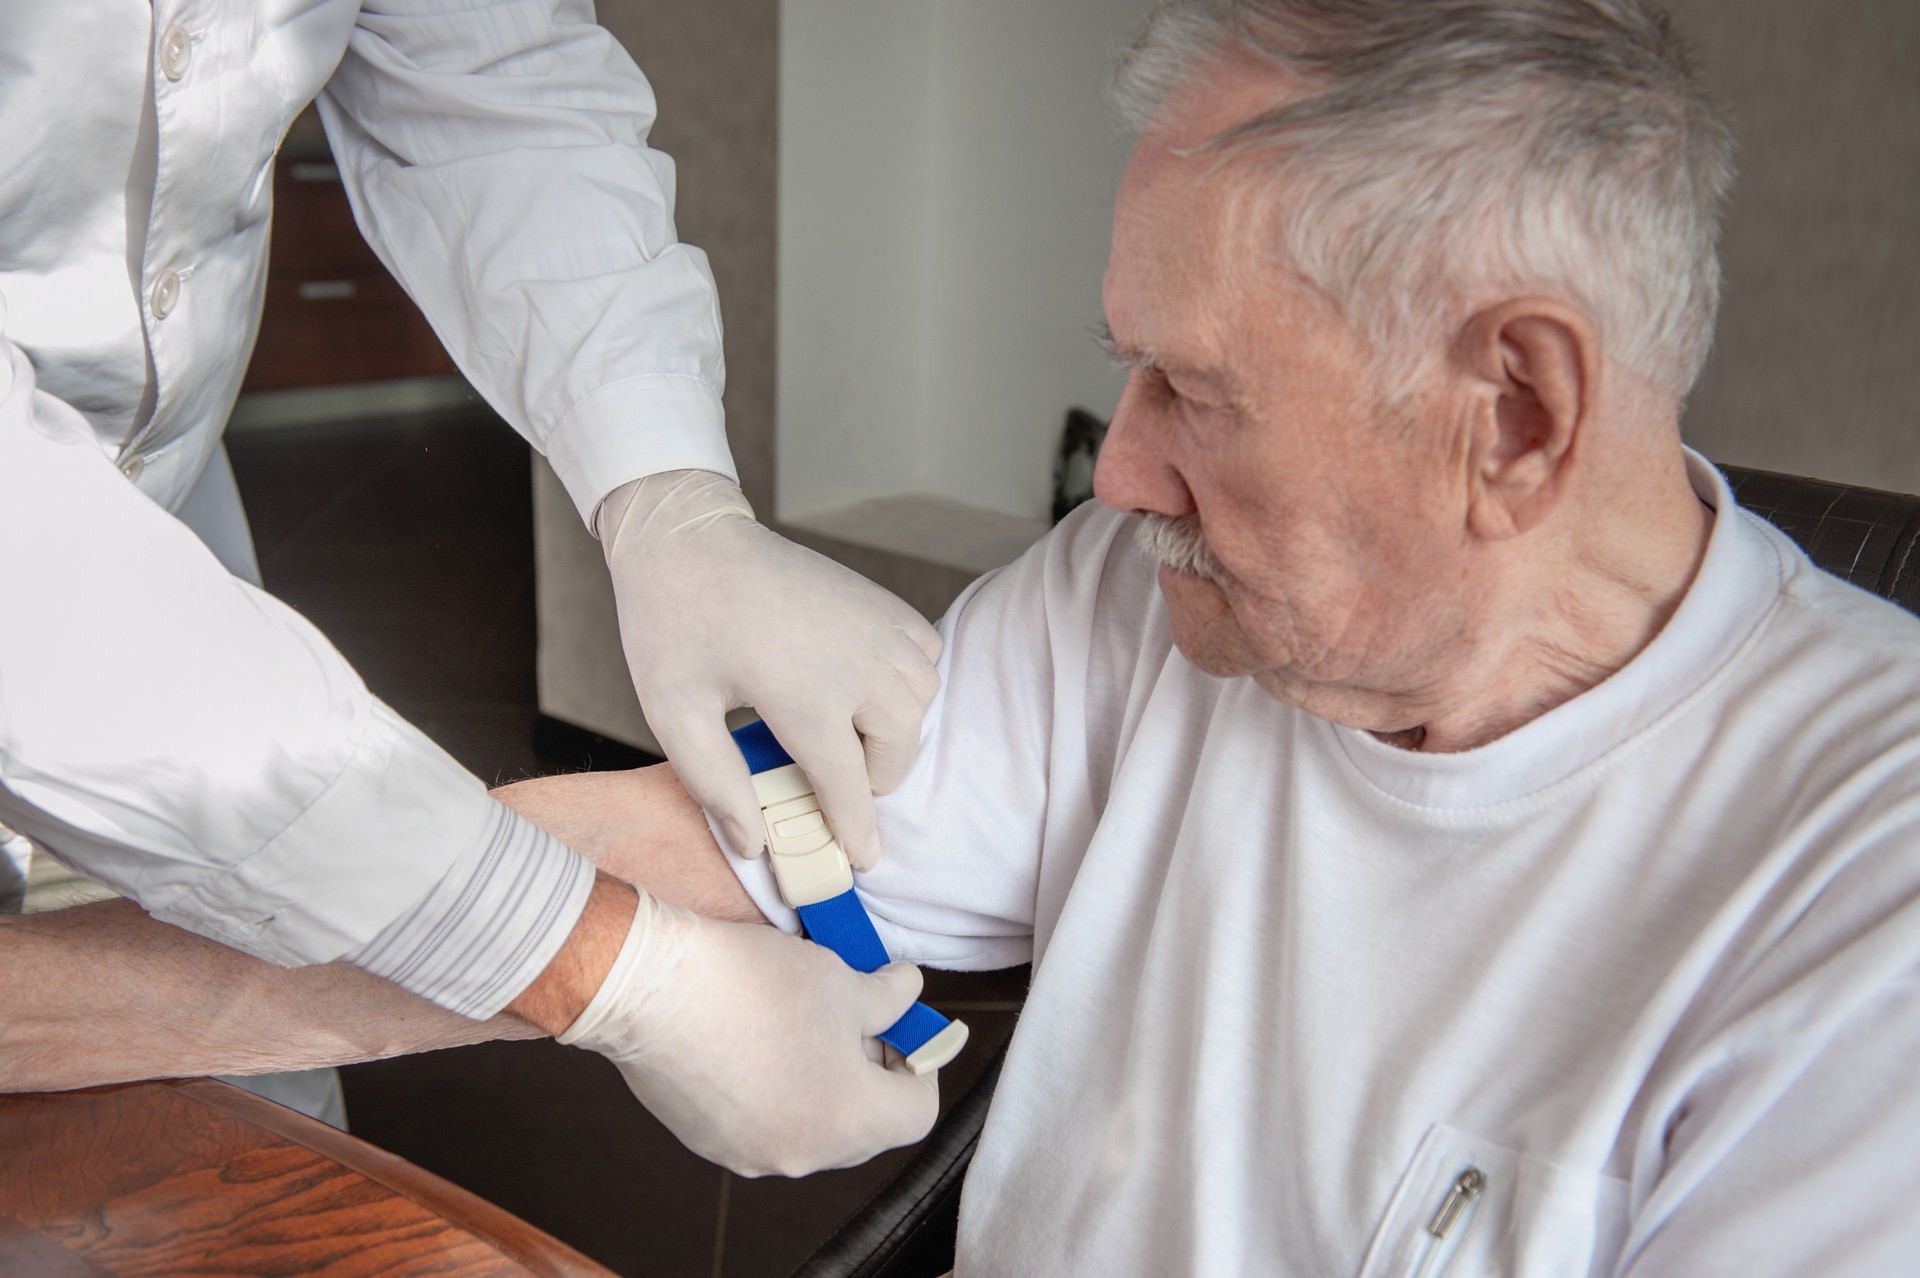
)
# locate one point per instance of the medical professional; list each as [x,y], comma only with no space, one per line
[172,731]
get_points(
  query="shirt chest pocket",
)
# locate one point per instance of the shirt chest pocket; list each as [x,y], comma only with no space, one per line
[1467,1208]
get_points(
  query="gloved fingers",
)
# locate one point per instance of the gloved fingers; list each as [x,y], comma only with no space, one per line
[890,992]
[901,1108]
[890,734]
[832,758]
[713,771]
[924,634]
[918,671]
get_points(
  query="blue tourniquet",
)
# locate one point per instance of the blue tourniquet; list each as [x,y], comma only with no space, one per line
[841,923]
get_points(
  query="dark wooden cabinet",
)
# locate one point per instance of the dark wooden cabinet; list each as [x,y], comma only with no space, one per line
[334,315]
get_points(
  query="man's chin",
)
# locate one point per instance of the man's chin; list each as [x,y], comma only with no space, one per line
[1190,594]
[1202,623]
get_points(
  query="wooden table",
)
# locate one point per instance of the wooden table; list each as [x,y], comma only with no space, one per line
[197,1177]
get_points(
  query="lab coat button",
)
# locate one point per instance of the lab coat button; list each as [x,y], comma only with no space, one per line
[176,50]
[166,292]
[133,466]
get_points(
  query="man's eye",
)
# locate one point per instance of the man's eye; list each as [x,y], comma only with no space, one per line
[1200,401]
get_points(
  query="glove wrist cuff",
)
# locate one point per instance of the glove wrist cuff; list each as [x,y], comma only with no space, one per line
[628,966]
[671,499]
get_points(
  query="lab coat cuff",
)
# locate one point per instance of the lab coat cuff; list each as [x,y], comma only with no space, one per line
[637,427]
[491,925]
[371,847]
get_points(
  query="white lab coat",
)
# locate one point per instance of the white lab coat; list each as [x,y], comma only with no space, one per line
[166,727]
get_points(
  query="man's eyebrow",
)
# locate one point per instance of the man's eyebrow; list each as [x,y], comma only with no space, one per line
[1128,356]
[1142,358]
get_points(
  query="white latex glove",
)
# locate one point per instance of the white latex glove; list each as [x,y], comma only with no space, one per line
[752,1046]
[718,611]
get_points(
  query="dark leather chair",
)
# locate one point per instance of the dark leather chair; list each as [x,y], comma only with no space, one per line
[1867,537]
[1862,535]
[907,1229]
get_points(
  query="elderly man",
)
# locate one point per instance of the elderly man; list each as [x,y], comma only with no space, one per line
[1464,842]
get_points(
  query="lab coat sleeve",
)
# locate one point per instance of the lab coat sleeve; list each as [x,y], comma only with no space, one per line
[496,158]
[187,739]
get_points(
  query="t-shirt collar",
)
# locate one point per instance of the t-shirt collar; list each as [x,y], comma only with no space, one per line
[1738,583]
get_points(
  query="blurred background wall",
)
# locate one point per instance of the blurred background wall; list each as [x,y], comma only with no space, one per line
[1817,366]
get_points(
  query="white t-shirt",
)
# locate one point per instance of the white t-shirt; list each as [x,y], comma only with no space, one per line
[1648,963]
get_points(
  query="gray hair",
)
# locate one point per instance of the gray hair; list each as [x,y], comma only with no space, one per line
[1446,146]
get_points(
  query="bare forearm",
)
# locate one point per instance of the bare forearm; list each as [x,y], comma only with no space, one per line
[103,993]
[641,827]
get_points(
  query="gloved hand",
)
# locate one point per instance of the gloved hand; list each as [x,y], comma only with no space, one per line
[753,1047]
[718,611]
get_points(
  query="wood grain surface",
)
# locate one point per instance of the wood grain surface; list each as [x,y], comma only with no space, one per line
[193,1176]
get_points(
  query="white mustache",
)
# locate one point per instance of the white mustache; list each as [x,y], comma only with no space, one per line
[1180,545]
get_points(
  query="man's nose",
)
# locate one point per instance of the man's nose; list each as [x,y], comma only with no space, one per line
[1137,470]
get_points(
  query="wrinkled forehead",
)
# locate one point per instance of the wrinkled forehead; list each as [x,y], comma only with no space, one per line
[1233,87]
[1185,223]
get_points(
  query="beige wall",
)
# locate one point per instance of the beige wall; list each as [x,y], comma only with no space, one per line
[1817,366]
[947,172]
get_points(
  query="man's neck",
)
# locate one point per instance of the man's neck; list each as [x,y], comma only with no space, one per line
[1564,616]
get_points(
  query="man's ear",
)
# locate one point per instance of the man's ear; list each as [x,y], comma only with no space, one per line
[1534,367]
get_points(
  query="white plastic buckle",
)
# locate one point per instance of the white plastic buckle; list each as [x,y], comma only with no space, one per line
[807,861]
[810,868]
[938,1052]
